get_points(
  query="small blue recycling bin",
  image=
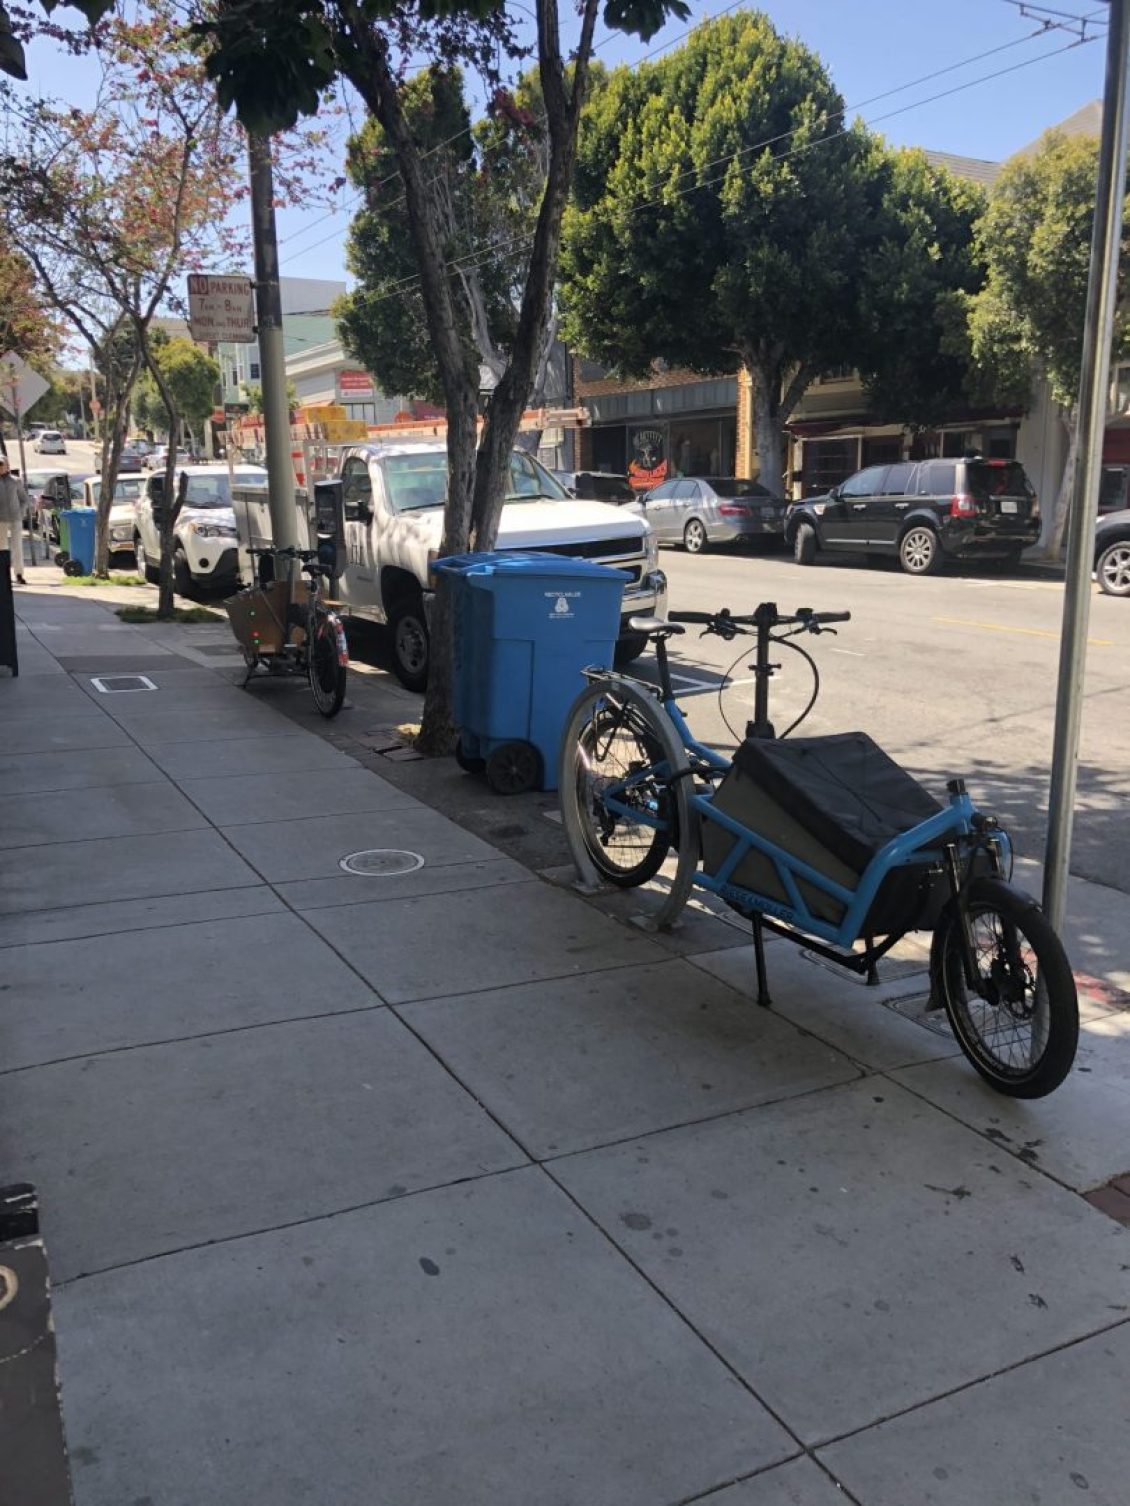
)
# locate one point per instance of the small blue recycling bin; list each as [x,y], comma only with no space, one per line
[80,538]
[526,625]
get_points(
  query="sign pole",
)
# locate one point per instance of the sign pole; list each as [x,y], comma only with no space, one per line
[272,359]
[1102,294]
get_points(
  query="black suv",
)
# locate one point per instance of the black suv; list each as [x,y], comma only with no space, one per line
[923,512]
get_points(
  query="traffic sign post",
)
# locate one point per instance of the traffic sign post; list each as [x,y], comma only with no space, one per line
[221,308]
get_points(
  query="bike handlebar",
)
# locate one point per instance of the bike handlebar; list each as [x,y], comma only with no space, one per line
[727,623]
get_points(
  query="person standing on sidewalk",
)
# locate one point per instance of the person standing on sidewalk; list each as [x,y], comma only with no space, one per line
[13,504]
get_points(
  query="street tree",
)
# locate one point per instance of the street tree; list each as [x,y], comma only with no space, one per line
[273,59]
[489,178]
[113,205]
[722,213]
[1028,319]
[913,348]
[191,375]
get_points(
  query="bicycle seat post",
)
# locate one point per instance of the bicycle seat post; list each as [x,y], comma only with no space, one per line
[765,619]
[664,672]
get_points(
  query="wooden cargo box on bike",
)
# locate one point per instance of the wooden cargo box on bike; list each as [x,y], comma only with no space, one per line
[260,616]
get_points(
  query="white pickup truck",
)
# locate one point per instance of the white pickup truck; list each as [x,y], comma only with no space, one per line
[393,497]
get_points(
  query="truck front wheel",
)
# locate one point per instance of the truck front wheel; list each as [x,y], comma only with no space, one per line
[408,629]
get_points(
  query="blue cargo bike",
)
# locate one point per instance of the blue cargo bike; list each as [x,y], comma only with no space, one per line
[823,840]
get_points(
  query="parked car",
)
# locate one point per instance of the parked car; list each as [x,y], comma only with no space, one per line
[49,492]
[50,442]
[1112,553]
[598,486]
[921,512]
[205,541]
[393,497]
[699,510]
[127,489]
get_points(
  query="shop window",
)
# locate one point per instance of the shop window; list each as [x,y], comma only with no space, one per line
[881,449]
[1001,444]
[827,462]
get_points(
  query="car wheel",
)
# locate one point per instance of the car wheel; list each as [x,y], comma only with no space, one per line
[920,551]
[408,628]
[1113,568]
[182,575]
[629,648]
[804,545]
[144,568]
[694,537]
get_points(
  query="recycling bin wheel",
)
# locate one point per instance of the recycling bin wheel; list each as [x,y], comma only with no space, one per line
[514,768]
[61,559]
[71,567]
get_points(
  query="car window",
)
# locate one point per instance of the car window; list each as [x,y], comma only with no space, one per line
[736,486]
[415,482]
[356,488]
[996,478]
[937,478]
[661,493]
[685,490]
[606,488]
[868,483]
[898,479]
[524,480]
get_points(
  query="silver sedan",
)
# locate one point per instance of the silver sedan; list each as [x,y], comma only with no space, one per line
[698,510]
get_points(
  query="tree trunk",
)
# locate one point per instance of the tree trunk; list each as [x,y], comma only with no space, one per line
[508,401]
[118,399]
[767,419]
[365,62]
[1053,523]
[170,502]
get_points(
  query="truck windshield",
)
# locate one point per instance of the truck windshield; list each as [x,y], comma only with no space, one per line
[419,481]
[126,489]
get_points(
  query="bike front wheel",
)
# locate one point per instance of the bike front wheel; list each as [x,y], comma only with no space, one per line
[1017,1020]
[326,662]
[615,757]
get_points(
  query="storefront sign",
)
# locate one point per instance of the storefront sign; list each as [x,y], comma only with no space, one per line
[647,458]
[356,384]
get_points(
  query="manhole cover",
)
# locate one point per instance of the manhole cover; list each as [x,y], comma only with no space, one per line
[381,862]
[111,684]
[914,1007]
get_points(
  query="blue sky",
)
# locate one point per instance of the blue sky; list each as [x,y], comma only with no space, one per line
[869,46]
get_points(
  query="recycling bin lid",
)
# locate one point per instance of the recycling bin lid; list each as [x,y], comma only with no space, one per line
[526,562]
[80,511]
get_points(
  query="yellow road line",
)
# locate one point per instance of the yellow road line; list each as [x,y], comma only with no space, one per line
[1000,627]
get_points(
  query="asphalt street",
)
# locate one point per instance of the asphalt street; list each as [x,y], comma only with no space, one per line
[78,461]
[953,675]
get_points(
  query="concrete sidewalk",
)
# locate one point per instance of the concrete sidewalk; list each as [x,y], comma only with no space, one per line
[442,1187]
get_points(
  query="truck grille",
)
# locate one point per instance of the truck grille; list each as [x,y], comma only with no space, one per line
[624,554]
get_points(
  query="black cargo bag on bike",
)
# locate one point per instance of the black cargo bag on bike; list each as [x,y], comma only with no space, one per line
[831,802]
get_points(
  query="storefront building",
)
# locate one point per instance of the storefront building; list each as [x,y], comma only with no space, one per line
[674,424]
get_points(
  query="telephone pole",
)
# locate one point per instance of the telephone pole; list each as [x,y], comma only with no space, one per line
[272,356]
[1094,378]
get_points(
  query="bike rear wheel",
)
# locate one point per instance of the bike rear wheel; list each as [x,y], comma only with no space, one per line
[326,670]
[1019,1022]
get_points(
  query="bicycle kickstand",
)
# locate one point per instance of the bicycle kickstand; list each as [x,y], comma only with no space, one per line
[759,953]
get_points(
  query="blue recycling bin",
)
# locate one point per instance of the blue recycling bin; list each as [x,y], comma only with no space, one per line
[77,535]
[526,625]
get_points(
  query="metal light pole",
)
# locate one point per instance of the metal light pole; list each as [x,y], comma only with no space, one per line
[1094,378]
[272,358]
